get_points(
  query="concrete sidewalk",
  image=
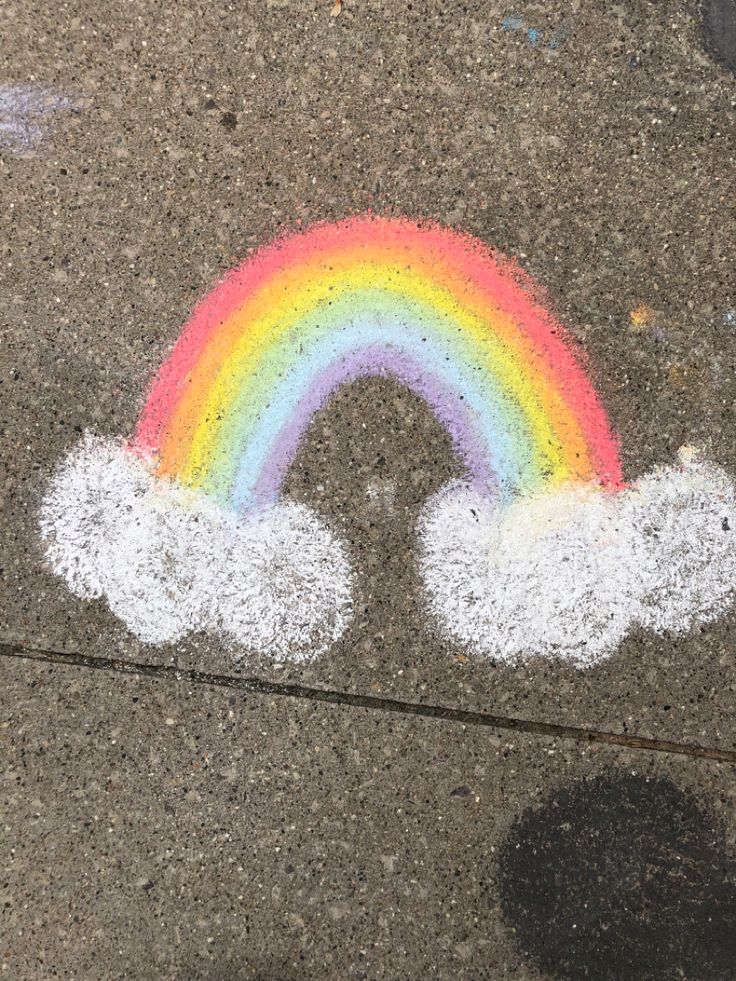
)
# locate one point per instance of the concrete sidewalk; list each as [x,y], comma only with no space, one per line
[154,830]
[163,826]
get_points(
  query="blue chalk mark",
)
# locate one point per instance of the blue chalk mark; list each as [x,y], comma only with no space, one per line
[534,35]
[559,37]
[512,22]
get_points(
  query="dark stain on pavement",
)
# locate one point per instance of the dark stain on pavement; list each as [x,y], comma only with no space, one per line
[719,22]
[620,878]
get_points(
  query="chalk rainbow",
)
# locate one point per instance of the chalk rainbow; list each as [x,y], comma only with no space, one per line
[434,308]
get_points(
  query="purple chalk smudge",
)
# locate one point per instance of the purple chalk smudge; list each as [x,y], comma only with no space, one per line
[24,113]
[371,361]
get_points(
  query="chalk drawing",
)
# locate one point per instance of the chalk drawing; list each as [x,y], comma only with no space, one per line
[372,296]
[512,22]
[26,112]
[541,550]
[568,572]
[170,561]
[641,316]
[534,35]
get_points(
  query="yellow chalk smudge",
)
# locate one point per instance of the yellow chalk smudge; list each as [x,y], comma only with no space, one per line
[641,316]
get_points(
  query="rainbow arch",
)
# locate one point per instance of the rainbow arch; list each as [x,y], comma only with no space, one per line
[432,307]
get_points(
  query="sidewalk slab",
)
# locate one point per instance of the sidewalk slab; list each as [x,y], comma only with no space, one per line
[152,830]
[602,164]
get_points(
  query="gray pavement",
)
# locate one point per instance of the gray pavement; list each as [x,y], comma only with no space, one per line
[605,166]
[168,829]
[157,830]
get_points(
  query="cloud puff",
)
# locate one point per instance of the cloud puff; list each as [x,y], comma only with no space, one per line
[170,561]
[568,573]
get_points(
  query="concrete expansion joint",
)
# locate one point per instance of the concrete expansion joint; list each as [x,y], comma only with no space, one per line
[444,713]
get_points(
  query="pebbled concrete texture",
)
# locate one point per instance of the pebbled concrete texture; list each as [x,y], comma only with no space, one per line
[603,165]
[155,830]
[159,829]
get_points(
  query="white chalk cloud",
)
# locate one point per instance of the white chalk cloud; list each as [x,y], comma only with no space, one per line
[170,561]
[565,574]
[568,573]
